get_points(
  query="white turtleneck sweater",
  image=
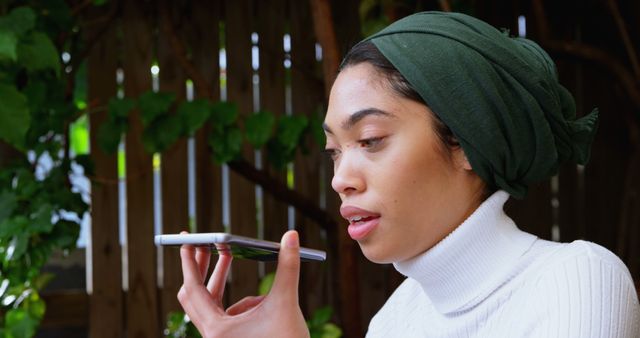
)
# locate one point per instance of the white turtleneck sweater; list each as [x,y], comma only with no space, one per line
[490,279]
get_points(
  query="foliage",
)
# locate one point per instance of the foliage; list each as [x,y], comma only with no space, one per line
[43,119]
[38,208]
[179,325]
[164,123]
[319,325]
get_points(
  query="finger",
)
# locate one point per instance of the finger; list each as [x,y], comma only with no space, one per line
[285,284]
[244,305]
[203,257]
[218,278]
[193,296]
[190,270]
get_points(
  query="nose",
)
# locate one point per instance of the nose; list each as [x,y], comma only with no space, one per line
[347,176]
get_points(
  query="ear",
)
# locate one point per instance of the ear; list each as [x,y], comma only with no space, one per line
[465,162]
[461,159]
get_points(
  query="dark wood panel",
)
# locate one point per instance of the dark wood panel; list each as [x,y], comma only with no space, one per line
[533,213]
[106,305]
[239,25]
[307,99]
[204,41]
[142,301]
[71,309]
[270,24]
[173,167]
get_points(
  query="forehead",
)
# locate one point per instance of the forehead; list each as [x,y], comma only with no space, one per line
[361,87]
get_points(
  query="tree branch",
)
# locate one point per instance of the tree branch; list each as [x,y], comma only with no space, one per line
[323,27]
[624,34]
[586,52]
[599,56]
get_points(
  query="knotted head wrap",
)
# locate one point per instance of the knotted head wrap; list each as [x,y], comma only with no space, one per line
[499,95]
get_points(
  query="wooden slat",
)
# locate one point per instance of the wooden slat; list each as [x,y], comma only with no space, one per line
[204,40]
[174,180]
[203,37]
[106,305]
[606,171]
[238,23]
[271,19]
[141,303]
[71,309]
[306,99]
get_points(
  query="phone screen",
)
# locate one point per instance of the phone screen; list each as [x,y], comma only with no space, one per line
[254,253]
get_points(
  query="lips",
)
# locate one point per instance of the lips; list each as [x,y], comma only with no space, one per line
[361,221]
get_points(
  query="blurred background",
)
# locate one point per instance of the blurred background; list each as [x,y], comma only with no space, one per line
[124,119]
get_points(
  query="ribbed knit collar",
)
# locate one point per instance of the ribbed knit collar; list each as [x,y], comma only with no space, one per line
[472,261]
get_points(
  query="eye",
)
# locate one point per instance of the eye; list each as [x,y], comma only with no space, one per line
[332,153]
[370,142]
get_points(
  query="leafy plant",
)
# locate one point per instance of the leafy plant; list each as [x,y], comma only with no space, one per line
[42,98]
[38,208]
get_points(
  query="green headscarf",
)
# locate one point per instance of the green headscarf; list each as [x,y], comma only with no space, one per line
[499,95]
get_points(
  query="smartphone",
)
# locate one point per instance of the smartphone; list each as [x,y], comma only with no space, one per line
[239,246]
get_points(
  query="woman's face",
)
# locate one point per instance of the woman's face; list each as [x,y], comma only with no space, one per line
[400,192]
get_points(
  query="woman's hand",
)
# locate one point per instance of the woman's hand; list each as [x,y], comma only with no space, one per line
[277,314]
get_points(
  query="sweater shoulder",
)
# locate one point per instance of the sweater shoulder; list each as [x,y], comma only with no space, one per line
[584,254]
[583,289]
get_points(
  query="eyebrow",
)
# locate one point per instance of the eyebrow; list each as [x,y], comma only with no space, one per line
[357,116]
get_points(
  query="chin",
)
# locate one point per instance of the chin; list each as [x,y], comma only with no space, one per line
[376,255]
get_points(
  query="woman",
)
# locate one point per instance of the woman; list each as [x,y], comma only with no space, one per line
[432,123]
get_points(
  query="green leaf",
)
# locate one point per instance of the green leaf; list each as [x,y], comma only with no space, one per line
[8,203]
[330,330]
[290,130]
[18,245]
[80,136]
[42,280]
[226,146]
[194,114]
[8,45]
[161,134]
[71,201]
[258,128]
[18,323]
[265,283]
[86,163]
[12,226]
[14,116]
[120,108]
[38,53]
[40,221]
[321,316]
[109,135]
[36,93]
[65,234]
[153,104]
[315,124]
[35,305]
[224,114]
[20,20]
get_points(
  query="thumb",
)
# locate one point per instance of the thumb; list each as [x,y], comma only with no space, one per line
[285,284]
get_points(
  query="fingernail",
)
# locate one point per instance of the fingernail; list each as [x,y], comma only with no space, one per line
[291,240]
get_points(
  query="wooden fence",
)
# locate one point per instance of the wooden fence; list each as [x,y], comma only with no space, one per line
[590,203]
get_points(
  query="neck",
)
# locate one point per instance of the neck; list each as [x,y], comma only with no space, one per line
[465,266]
